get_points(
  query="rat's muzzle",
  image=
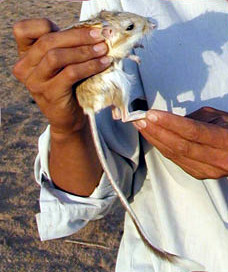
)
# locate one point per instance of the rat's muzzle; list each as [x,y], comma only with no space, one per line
[152,23]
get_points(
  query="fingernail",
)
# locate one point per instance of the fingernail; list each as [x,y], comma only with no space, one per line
[152,117]
[141,124]
[106,60]
[95,33]
[101,47]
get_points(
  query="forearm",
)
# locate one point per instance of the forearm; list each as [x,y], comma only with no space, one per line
[73,162]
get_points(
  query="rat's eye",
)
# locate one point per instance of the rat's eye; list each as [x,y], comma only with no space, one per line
[130,27]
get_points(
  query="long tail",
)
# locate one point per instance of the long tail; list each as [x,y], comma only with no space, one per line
[172,258]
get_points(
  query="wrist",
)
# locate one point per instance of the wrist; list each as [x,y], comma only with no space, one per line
[66,134]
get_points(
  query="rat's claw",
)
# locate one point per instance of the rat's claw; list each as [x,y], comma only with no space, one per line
[134,58]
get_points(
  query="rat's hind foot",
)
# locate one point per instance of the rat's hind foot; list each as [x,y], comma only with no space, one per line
[135,58]
[133,116]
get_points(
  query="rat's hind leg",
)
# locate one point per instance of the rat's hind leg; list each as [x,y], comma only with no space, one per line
[134,58]
[120,107]
[116,113]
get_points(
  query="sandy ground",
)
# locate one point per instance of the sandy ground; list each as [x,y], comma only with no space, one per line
[21,125]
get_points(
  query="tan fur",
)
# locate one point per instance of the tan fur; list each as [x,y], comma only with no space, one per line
[92,91]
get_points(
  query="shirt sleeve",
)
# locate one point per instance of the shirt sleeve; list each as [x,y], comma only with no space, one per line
[62,214]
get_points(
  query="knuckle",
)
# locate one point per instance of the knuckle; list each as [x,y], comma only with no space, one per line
[213,173]
[198,173]
[18,28]
[193,132]
[17,71]
[82,35]
[48,96]
[33,86]
[44,42]
[85,50]
[169,153]
[198,176]
[47,37]
[210,172]
[221,163]
[71,73]
[52,58]
[94,66]
[183,148]
[29,85]
[41,43]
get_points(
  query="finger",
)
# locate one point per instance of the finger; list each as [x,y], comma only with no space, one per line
[64,81]
[209,115]
[59,58]
[189,129]
[27,31]
[182,148]
[76,72]
[200,170]
[221,121]
[64,39]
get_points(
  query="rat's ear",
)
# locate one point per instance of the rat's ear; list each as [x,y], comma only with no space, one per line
[89,23]
[105,14]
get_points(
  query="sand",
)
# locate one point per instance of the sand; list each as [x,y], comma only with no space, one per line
[21,125]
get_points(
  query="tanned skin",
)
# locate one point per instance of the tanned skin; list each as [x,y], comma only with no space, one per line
[50,62]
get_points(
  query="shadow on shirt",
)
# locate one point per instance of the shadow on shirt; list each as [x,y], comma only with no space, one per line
[180,58]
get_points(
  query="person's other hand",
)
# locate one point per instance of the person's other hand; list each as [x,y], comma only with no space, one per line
[198,143]
[51,61]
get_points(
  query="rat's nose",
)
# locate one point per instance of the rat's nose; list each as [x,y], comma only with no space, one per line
[152,26]
[107,32]
[152,23]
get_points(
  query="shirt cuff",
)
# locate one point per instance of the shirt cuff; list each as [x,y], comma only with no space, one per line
[61,213]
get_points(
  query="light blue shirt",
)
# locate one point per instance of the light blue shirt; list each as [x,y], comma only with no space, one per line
[184,67]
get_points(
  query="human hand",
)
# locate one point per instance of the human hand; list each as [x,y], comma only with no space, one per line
[51,61]
[198,143]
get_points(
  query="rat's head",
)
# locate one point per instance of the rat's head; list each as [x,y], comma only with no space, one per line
[124,29]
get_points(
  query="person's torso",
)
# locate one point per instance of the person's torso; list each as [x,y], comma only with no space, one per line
[184,66]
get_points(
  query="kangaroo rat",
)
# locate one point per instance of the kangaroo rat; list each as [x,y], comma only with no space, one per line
[122,31]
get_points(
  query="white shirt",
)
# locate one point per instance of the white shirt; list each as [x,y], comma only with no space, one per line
[184,67]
